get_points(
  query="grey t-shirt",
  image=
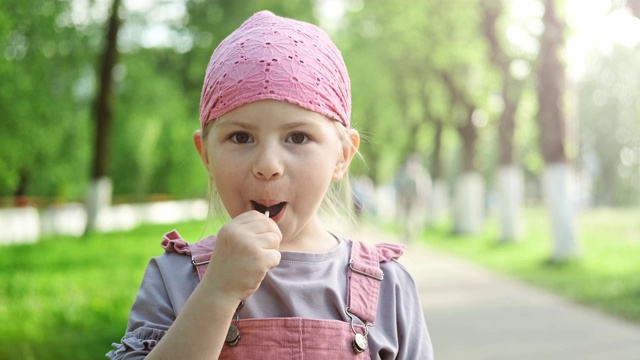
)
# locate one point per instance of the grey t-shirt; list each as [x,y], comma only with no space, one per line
[307,285]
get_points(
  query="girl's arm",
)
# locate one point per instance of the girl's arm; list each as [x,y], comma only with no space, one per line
[246,249]
[200,329]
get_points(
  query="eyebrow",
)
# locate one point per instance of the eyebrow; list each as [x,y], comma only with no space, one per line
[297,124]
[287,126]
[235,123]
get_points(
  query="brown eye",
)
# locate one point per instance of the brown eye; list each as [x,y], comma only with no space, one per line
[241,138]
[297,138]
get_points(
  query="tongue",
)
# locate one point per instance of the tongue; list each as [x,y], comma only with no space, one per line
[273,210]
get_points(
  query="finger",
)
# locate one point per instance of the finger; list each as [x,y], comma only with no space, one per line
[270,240]
[272,258]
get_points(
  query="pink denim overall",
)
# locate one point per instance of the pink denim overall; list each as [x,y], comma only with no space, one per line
[300,338]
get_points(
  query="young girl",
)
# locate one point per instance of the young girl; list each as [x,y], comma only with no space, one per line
[274,283]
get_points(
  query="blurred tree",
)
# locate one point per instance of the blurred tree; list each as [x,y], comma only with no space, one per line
[469,188]
[100,188]
[510,177]
[401,95]
[42,131]
[153,129]
[551,121]
[469,81]
[609,113]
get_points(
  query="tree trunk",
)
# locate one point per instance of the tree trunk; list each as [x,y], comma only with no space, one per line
[551,88]
[469,135]
[510,179]
[20,195]
[468,202]
[440,195]
[439,202]
[551,122]
[511,192]
[437,171]
[469,194]
[560,200]
[97,196]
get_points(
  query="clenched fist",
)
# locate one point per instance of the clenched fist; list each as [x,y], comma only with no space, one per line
[246,249]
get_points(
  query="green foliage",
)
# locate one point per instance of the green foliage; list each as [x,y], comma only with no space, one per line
[41,120]
[397,53]
[605,276]
[153,130]
[609,126]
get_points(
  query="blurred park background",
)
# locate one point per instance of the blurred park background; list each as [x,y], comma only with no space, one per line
[517,122]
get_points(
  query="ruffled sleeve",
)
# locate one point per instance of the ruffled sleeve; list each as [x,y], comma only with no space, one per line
[173,242]
[136,344]
[168,281]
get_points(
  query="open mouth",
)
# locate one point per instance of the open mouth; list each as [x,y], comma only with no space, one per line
[273,209]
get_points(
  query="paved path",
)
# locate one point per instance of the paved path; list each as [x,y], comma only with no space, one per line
[473,314]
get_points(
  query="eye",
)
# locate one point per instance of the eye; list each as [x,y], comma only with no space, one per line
[298,138]
[240,138]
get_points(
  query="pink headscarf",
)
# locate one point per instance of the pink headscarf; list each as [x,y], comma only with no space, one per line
[271,57]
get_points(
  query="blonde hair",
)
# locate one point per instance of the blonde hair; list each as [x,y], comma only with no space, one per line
[337,203]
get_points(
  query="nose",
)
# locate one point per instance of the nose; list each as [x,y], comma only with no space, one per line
[268,163]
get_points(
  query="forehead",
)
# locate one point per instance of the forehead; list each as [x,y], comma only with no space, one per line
[271,113]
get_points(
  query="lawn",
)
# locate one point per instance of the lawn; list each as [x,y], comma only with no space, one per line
[69,298]
[606,275]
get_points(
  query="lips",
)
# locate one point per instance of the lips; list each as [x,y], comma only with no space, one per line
[274,210]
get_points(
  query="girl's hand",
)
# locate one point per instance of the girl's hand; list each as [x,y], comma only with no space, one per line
[246,249]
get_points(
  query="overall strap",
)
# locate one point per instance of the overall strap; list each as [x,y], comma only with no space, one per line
[365,276]
[200,258]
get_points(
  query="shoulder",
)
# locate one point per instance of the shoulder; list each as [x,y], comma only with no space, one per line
[395,274]
[176,264]
[387,255]
[378,252]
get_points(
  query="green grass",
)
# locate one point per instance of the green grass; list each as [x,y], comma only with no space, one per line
[606,276]
[69,298]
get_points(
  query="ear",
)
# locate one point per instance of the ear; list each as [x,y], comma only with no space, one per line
[348,152]
[199,141]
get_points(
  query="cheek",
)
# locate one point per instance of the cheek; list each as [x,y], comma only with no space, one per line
[225,174]
[320,177]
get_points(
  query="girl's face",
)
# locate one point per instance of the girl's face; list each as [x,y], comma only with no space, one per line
[275,156]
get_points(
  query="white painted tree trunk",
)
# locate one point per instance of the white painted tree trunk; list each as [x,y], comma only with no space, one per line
[98,198]
[469,203]
[511,190]
[559,199]
[439,202]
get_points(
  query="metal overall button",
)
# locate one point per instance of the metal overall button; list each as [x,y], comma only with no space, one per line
[359,343]
[233,334]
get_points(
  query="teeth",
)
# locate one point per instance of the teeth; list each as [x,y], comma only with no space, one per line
[266,213]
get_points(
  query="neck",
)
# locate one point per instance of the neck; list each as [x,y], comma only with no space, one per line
[312,239]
